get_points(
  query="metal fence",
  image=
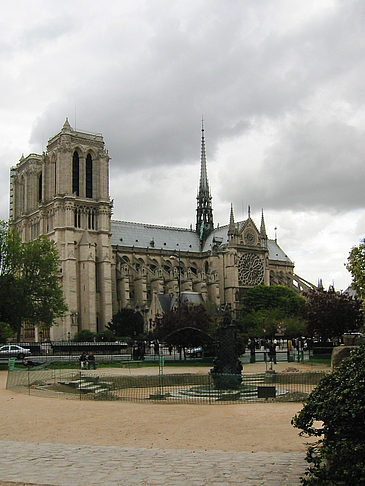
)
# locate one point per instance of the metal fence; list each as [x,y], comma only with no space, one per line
[163,388]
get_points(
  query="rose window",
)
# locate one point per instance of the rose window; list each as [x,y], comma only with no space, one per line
[250,270]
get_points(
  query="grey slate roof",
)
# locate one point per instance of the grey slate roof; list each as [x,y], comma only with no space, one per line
[276,253]
[142,235]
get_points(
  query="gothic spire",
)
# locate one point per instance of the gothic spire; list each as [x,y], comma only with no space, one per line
[204,211]
[263,233]
[263,228]
[231,228]
[203,186]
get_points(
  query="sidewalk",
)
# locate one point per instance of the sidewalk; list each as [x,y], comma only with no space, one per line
[66,465]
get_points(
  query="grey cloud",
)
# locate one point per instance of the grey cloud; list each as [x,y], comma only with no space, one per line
[220,62]
[311,165]
[41,34]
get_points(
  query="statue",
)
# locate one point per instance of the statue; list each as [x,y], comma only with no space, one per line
[226,372]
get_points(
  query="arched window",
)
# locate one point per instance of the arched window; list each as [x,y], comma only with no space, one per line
[40,187]
[89,176]
[55,177]
[77,218]
[91,219]
[22,188]
[75,174]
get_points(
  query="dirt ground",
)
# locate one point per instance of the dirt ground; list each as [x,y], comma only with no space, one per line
[251,427]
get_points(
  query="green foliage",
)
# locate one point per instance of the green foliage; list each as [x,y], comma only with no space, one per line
[330,314]
[335,415]
[84,336]
[294,327]
[29,281]
[356,266]
[126,324]
[262,298]
[106,336]
[5,332]
[186,326]
[265,308]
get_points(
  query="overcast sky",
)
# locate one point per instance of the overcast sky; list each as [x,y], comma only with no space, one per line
[280,84]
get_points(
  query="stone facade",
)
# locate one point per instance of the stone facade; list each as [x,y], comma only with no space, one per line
[108,265]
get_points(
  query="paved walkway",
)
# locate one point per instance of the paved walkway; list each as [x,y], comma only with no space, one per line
[68,465]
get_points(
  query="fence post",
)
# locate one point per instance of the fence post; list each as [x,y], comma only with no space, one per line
[80,385]
[210,389]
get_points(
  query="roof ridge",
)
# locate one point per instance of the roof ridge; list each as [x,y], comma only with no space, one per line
[148,225]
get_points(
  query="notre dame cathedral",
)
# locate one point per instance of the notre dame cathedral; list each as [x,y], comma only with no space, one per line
[107,265]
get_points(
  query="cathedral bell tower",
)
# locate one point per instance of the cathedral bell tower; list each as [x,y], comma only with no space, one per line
[64,195]
[204,211]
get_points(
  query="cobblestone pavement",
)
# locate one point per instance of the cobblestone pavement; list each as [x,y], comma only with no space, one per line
[69,465]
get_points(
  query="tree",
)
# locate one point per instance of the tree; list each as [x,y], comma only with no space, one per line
[186,326]
[277,297]
[356,266]
[5,332]
[30,289]
[335,414]
[265,308]
[127,323]
[329,314]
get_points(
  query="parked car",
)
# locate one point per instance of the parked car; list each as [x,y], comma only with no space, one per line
[194,352]
[13,351]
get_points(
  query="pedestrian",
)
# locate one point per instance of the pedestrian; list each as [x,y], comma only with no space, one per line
[272,352]
[252,348]
[91,361]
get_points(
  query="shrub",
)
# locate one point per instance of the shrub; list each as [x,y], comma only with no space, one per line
[84,336]
[338,403]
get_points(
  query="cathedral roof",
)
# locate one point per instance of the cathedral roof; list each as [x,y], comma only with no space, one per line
[220,235]
[276,253]
[142,235]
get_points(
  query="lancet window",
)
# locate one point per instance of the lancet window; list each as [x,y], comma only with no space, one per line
[76,174]
[89,176]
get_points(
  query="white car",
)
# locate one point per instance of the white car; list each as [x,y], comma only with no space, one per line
[13,351]
[194,352]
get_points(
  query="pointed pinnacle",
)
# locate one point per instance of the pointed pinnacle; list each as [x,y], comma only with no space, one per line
[263,228]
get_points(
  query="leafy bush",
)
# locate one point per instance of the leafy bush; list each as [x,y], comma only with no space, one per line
[338,403]
[84,336]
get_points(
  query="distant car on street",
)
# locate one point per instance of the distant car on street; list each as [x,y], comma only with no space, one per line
[13,351]
[194,352]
